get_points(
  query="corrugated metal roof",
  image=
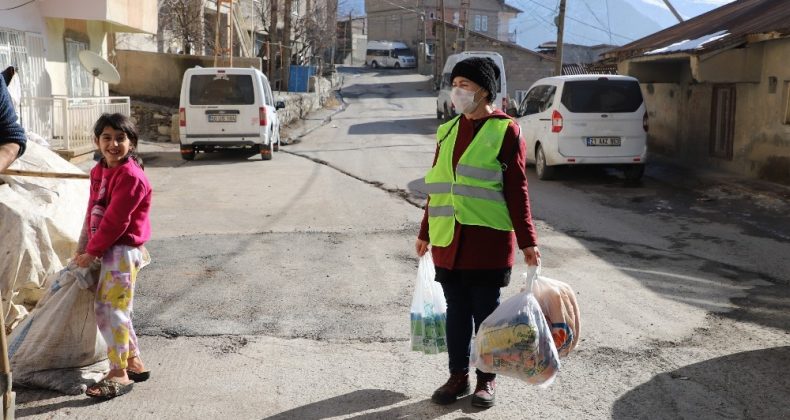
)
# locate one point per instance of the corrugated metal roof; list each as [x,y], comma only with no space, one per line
[722,27]
[595,68]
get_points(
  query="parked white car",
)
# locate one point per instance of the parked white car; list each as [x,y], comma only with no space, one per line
[585,120]
[444,106]
[224,107]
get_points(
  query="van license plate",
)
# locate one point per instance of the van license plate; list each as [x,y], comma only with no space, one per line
[603,141]
[222,118]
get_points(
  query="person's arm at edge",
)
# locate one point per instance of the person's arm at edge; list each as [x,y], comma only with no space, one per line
[517,192]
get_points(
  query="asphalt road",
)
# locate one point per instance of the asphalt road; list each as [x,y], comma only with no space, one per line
[281,289]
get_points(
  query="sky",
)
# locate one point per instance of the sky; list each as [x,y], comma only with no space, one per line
[589,22]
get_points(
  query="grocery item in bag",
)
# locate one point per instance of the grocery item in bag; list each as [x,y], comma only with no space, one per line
[515,341]
[428,311]
[558,303]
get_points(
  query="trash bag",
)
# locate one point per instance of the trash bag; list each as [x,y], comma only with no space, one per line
[59,346]
[558,303]
[515,341]
[428,311]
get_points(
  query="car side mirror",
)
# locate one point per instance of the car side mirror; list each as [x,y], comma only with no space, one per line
[279,105]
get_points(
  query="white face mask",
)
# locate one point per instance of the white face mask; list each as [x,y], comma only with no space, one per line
[463,100]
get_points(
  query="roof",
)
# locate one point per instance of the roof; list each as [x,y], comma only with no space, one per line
[576,69]
[730,25]
[507,44]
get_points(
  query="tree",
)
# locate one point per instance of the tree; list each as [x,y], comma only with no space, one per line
[184,20]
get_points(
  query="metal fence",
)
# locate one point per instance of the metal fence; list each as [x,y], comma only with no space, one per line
[67,123]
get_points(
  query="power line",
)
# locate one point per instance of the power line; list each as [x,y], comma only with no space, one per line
[578,20]
[17,7]
[550,25]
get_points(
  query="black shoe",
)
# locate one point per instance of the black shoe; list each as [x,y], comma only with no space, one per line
[455,387]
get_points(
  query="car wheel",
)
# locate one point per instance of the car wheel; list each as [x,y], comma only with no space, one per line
[374,64]
[266,151]
[634,172]
[544,171]
[397,65]
[439,115]
[447,115]
[187,152]
[276,146]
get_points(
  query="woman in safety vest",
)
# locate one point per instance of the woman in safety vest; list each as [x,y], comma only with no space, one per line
[478,209]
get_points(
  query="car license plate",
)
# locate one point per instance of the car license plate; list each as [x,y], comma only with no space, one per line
[222,118]
[603,141]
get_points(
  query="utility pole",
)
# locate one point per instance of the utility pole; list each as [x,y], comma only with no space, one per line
[287,45]
[674,12]
[560,29]
[442,57]
[465,21]
[272,39]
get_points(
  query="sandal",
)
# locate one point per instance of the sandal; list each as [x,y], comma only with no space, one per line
[138,376]
[108,389]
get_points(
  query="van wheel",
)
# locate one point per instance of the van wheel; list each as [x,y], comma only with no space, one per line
[266,151]
[397,65]
[544,171]
[447,116]
[439,115]
[374,64]
[187,153]
[634,173]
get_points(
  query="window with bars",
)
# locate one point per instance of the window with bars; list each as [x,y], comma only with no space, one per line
[14,53]
[80,81]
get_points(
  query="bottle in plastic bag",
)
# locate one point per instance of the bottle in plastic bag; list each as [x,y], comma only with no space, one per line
[428,311]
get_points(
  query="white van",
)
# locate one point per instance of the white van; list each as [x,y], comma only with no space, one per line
[444,106]
[585,119]
[389,54]
[227,107]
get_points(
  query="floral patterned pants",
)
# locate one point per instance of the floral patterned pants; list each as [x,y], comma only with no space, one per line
[114,297]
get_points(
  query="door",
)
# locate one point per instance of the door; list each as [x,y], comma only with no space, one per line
[535,116]
[223,105]
[722,121]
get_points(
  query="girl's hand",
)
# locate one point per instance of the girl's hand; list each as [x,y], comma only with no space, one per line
[531,255]
[421,247]
[85,259]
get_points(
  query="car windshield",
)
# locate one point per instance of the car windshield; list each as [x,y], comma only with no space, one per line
[603,95]
[221,89]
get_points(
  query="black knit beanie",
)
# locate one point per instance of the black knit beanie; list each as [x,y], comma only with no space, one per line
[481,70]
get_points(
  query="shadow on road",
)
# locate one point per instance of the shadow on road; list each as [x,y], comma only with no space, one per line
[743,385]
[219,157]
[26,395]
[343,405]
[420,126]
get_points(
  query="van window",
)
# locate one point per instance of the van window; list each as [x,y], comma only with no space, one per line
[210,89]
[591,96]
[537,100]
[400,52]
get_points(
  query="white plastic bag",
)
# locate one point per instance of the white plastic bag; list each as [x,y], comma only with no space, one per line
[515,340]
[558,303]
[59,346]
[428,311]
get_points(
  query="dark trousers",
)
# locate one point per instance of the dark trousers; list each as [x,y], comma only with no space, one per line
[468,304]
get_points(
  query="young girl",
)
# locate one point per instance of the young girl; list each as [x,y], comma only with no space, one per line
[116,227]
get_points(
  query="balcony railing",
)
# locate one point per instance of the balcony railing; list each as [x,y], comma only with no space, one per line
[67,123]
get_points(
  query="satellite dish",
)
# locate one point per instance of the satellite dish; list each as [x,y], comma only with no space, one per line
[99,67]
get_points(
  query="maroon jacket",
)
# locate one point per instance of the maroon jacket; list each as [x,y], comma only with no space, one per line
[478,247]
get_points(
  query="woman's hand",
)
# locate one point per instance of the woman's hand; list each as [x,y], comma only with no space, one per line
[85,259]
[531,255]
[421,247]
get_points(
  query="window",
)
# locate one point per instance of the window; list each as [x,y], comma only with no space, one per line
[456,18]
[477,23]
[80,81]
[537,100]
[209,89]
[484,23]
[593,96]
[14,53]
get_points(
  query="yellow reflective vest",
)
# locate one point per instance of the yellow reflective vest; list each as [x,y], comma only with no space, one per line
[473,192]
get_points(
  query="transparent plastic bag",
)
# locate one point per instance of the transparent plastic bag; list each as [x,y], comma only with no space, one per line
[515,341]
[558,302]
[428,311]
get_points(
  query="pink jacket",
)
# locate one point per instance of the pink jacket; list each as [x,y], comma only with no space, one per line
[120,199]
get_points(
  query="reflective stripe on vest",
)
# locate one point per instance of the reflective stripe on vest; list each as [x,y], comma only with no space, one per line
[472,194]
